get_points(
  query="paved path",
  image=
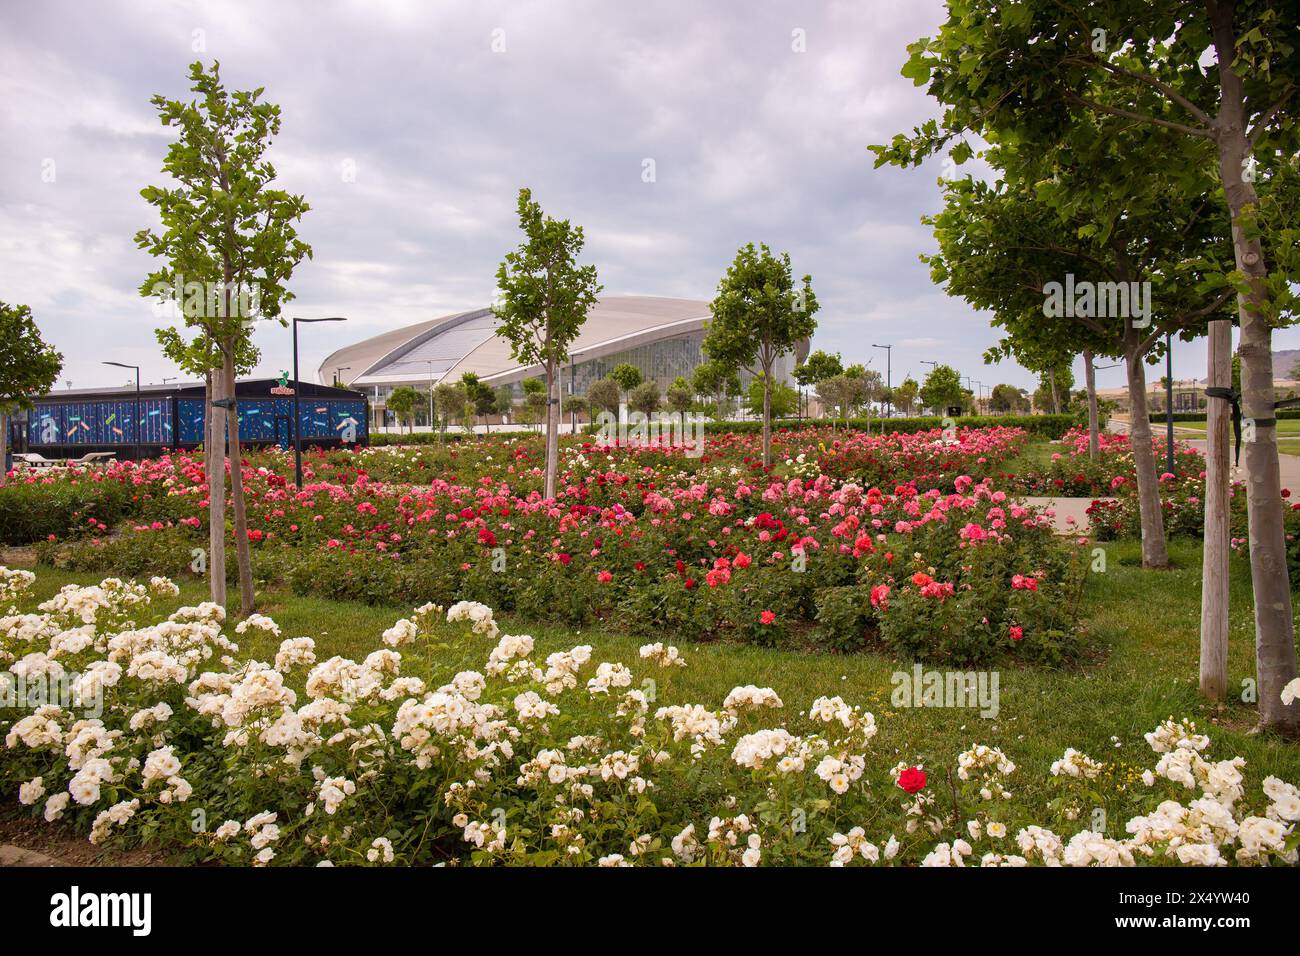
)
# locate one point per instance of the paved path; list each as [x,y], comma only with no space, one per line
[1064,509]
[11,855]
[1289,465]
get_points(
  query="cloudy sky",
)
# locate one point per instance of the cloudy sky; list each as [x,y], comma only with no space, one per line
[410,126]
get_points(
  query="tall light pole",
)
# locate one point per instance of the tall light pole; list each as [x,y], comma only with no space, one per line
[342,368]
[889,384]
[136,417]
[297,390]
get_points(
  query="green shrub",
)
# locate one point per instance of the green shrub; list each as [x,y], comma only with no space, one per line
[844,617]
[32,511]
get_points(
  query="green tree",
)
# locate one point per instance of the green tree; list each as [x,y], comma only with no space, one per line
[779,399]
[1053,382]
[941,388]
[480,398]
[818,367]
[603,395]
[576,406]
[627,376]
[843,394]
[545,297]
[28,368]
[680,397]
[402,402]
[533,410]
[905,394]
[1017,247]
[1007,398]
[760,314]
[229,247]
[719,381]
[645,398]
[1216,83]
[449,400]
[504,401]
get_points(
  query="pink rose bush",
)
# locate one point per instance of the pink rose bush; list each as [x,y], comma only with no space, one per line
[649,538]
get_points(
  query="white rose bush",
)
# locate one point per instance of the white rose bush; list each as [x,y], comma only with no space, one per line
[170,736]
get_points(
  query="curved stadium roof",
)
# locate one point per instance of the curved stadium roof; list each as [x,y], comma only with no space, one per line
[467,342]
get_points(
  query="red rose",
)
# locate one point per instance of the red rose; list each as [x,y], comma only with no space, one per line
[912,779]
[767,617]
[1017,632]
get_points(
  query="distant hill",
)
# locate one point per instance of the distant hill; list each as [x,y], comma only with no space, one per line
[1283,362]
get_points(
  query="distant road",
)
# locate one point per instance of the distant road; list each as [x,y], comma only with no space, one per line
[1289,465]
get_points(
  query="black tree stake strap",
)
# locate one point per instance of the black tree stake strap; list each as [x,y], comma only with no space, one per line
[1234,396]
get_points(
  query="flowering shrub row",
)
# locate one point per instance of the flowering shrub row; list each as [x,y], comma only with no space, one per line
[402,758]
[693,548]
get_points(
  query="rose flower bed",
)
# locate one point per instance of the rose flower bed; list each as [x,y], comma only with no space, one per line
[171,735]
[945,568]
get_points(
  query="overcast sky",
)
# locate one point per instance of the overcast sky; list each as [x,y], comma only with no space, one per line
[409,128]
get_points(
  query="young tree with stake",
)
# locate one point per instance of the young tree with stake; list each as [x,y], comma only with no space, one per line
[226,231]
[545,297]
[759,315]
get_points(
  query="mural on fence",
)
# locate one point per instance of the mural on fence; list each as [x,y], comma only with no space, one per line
[261,421]
[102,422]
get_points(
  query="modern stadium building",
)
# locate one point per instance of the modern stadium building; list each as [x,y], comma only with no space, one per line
[662,337]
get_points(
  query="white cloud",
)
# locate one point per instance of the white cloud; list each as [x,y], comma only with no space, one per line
[752,142]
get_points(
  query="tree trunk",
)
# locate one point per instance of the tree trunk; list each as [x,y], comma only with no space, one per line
[214,462]
[1154,552]
[1056,402]
[767,416]
[242,555]
[552,427]
[1275,653]
[4,444]
[1094,432]
[1214,569]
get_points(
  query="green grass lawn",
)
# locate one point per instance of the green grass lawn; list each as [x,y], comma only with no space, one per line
[1143,627]
[1285,426]
[1037,456]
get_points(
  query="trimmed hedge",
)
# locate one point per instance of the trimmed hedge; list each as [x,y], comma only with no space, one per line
[33,512]
[1158,418]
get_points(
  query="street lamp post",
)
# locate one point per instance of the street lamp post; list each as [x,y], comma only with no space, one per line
[889,384]
[136,416]
[297,390]
[342,368]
